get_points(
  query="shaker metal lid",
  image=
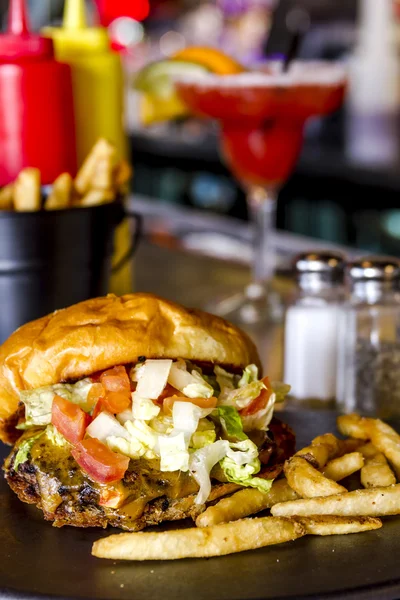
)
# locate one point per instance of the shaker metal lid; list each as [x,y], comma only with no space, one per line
[325,263]
[378,268]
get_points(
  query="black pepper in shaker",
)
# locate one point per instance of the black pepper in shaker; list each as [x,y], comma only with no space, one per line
[368,375]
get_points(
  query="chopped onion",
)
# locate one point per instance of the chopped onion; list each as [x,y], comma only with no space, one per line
[125,415]
[179,377]
[191,384]
[153,377]
[104,426]
[186,417]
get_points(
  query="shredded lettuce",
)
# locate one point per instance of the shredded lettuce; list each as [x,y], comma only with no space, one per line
[203,438]
[174,455]
[162,424]
[231,423]
[250,374]
[261,419]
[55,437]
[38,402]
[242,397]
[200,465]
[244,452]
[280,389]
[243,475]
[142,441]
[199,388]
[225,380]
[144,408]
[24,450]
[241,463]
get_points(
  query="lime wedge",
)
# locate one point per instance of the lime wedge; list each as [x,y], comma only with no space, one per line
[157,77]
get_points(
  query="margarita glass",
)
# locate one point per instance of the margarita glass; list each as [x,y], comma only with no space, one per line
[262,116]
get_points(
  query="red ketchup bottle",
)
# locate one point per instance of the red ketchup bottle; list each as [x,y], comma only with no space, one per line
[37,126]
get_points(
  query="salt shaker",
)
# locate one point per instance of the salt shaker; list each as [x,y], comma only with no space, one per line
[368,377]
[310,349]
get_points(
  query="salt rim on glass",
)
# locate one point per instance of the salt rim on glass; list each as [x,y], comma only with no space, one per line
[321,73]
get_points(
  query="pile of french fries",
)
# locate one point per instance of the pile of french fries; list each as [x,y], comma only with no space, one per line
[307,500]
[100,180]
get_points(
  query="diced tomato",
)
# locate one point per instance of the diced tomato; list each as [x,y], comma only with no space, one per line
[168,403]
[116,380]
[96,392]
[99,462]
[112,497]
[168,391]
[99,406]
[69,419]
[116,402]
[260,402]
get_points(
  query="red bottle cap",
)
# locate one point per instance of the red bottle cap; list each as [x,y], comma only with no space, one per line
[19,43]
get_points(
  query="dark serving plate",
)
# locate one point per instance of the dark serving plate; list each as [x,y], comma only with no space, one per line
[39,561]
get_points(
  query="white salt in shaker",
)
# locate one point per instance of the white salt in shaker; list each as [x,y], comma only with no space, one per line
[311,328]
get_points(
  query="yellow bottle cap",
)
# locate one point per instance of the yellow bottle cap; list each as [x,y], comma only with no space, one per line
[75,33]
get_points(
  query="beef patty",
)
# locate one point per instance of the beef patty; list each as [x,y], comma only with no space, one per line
[52,480]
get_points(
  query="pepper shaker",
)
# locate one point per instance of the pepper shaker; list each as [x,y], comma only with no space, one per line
[368,376]
[310,348]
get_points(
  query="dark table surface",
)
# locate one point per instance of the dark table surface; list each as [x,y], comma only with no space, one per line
[38,561]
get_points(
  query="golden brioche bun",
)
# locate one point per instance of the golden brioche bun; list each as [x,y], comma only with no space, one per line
[100,333]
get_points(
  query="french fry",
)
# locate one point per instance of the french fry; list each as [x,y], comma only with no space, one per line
[334,525]
[376,471]
[383,437]
[102,176]
[372,502]
[102,149]
[322,448]
[96,197]
[354,426]
[307,482]
[6,197]
[27,196]
[387,440]
[122,175]
[226,538]
[60,195]
[349,445]
[245,502]
[343,466]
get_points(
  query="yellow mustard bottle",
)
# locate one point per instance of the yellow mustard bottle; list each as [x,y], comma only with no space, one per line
[97,79]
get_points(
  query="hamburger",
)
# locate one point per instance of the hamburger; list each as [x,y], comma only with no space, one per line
[128,411]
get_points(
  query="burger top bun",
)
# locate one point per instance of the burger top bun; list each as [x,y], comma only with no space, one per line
[97,334]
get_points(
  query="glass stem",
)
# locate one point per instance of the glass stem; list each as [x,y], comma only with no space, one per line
[262,207]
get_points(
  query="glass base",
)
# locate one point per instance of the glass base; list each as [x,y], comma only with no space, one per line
[256,304]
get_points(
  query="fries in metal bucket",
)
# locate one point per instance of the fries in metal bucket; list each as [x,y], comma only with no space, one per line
[100,151]
[60,195]
[96,197]
[27,193]
[6,197]
[122,175]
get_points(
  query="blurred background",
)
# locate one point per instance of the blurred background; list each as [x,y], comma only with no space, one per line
[345,188]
